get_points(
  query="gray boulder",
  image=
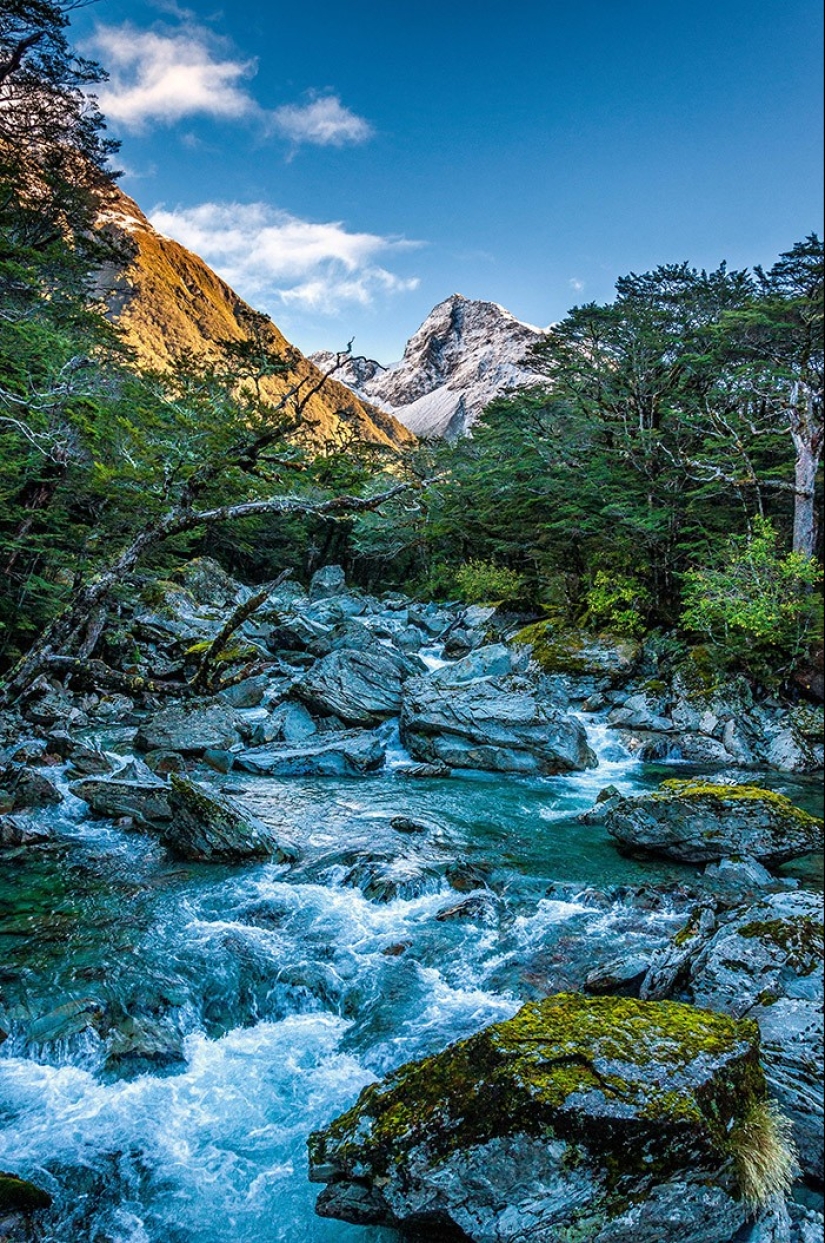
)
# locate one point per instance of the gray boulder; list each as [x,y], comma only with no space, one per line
[189,728]
[145,802]
[361,687]
[701,822]
[23,789]
[207,827]
[498,724]
[767,963]
[340,753]
[610,1120]
[330,580]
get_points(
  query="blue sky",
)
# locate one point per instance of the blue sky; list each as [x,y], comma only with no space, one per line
[347,165]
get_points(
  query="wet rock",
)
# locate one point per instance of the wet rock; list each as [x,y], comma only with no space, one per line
[220,761]
[555,1122]
[330,580]
[498,724]
[406,824]
[340,753]
[69,1019]
[19,831]
[361,687]
[700,822]
[19,1200]
[208,583]
[621,977]
[384,879]
[189,728]
[25,789]
[422,771]
[580,654]
[766,962]
[289,722]
[139,1044]
[479,906]
[208,827]
[164,762]
[87,761]
[246,694]
[145,802]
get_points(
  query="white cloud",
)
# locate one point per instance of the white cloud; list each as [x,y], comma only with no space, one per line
[270,256]
[325,122]
[165,75]
[575,284]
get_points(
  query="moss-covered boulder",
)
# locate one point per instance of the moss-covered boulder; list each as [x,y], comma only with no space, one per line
[19,1200]
[700,822]
[585,1119]
[206,827]
[579,653]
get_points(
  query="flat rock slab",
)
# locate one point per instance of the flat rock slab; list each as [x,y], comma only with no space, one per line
[190,728]
[698,822]
[597,1119]
[340,753]
[145,802]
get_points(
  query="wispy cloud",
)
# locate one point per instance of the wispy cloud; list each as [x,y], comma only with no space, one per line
[575,284]
[167,75]
[164,75]
[271,257]
[324,121]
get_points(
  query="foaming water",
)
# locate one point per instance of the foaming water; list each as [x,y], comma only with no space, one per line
[263,998]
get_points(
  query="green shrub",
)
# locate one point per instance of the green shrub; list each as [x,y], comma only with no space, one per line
[484,582]
[764,1154]
[756,605]
[618,603]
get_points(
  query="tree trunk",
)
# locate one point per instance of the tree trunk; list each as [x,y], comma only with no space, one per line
[807,433]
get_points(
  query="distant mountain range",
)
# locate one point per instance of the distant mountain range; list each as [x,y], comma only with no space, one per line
[464,354]
[171,303]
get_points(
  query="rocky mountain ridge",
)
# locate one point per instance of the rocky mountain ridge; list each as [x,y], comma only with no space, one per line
[170,303]
[465,353]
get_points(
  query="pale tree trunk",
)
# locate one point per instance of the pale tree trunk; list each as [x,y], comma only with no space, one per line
[807,433]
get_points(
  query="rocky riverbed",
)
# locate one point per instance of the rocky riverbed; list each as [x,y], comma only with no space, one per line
[225,914]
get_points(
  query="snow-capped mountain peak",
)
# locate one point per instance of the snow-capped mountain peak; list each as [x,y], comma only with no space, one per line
[465,353]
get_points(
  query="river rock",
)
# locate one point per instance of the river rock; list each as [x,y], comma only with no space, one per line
[700,822]
[189,728]
[580,654]
[208,583]
[766,962]
[19,1200]
[361,687]
[145,802]
[330,580]
[208,827]
[497,724]
[19,831]
[597,1119]
[340,753]
[24,789]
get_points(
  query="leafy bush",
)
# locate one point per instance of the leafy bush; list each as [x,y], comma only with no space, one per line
[480,582]
[618,603]
[757,606]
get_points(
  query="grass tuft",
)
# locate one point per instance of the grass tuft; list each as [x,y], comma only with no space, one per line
[764,1154]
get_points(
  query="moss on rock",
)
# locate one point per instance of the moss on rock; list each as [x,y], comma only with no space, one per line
[19,1196]
[648,1086]
[577,652]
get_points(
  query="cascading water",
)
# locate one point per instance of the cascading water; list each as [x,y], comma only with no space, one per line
[176,1032]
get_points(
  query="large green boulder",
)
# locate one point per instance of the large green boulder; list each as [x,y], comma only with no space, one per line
[587,1119]
[700,822]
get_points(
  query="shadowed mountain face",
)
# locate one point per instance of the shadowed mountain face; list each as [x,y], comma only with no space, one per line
[464,354]
[170,303]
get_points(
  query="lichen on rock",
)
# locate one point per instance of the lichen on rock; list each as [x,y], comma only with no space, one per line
[574,1104]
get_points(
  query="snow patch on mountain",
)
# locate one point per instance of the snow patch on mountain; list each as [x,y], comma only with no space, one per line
[464,354]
